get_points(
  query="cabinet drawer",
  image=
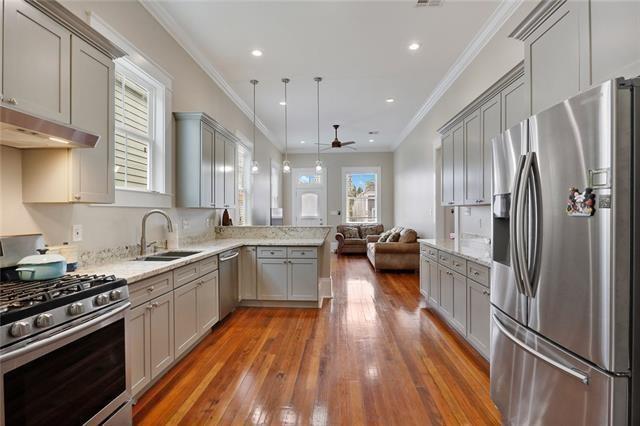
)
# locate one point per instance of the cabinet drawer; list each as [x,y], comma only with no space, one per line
[444,258]
[431,253]
[478,273]
[186,273]
[458,264]
[145,290]
[209,264]
[302,253]
[272,252]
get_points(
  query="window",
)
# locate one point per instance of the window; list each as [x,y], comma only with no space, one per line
[244,186]
[361,195]
[134,113]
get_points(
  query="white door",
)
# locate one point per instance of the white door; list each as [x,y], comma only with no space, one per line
[309,193]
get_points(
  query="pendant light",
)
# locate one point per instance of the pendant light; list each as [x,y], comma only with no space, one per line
[318,162]
[286,166]
[255,167]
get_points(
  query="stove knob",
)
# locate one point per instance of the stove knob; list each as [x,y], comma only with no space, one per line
[115,295]
[20,329]
[101,299]
[44,320]
[75,308]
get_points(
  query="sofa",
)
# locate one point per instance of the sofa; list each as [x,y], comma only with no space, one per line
[352,238]
[400,252]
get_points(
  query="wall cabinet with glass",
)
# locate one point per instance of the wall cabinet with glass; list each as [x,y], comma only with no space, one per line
[466,140]
[202,141]
[72,84]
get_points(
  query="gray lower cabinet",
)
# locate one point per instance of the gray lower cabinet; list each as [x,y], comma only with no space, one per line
[434,283]
[207,300]
[303,279]
[272,279]
[445,277]
[478,320]
[425,275]
[248,273]
[459,311]
[161,335]
[139,348]
[187,329]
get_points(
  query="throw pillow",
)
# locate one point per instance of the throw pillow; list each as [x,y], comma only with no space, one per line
[350,232]
[408,235]
[394,237]
[384,236]
[370,230]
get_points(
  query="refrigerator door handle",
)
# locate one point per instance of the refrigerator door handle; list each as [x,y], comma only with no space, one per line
[584,378]
[521,248]
[536,225]
[514,214]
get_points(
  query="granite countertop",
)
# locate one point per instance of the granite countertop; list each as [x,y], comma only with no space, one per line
[134,271]
[476,252]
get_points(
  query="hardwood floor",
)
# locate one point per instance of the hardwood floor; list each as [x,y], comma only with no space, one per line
[372,355]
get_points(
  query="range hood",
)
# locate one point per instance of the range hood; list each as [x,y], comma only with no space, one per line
[21,130]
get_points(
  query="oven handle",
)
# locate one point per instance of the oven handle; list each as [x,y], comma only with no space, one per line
[66,333]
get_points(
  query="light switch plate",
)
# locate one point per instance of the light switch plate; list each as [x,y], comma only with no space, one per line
[76,233]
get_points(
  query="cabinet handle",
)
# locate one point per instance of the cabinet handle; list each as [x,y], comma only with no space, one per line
[154,305]
[486,292]
[148,307]
[479,201]
[77,197]
[150,289]
[476,273]
[456,264]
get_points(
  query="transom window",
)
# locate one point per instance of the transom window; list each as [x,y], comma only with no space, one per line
[361,195]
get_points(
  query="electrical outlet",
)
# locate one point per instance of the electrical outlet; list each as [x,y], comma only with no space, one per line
[76,233]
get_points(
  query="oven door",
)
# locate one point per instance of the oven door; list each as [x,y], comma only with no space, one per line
[76,375]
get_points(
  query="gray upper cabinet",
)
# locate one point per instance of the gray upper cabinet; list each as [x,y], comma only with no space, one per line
[473,160]
[36,61]
[458,164]
[514,104]
[491,125]
[447,170]
[202,141]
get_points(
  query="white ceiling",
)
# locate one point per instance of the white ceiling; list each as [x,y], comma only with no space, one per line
[359,48]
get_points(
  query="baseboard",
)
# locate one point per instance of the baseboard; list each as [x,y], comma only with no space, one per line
[325,290]
[278,304]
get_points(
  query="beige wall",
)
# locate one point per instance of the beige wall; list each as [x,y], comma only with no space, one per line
[193,90]
[414,172]
[334,164]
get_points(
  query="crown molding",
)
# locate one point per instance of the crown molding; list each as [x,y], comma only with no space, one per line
[497,19]
[184,40]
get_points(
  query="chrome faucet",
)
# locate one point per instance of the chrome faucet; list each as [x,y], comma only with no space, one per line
[143,239]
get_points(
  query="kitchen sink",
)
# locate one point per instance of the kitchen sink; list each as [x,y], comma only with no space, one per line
[166,256]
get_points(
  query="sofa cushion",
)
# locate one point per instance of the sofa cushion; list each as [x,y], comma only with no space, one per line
[408,235]
[384,236]
[350,232]
[355,242]
[367,230]
[394,237]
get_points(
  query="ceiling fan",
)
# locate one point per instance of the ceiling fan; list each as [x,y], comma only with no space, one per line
[336,143]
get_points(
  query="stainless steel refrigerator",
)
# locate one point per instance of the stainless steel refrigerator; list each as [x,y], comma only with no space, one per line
[564,257]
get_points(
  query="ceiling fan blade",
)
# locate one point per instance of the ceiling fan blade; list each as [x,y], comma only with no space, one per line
[326,149]
[322,144]
[352,148]
[347,143]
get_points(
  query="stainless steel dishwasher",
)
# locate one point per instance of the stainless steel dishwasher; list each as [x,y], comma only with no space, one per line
[228,296]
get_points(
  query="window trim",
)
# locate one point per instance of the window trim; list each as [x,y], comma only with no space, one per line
[362,169]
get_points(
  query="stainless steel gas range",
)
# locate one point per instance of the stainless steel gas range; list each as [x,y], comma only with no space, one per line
[63,351]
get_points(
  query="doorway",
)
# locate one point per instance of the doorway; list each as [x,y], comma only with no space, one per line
[309,195]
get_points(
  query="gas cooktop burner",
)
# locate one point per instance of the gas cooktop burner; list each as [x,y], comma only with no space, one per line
[19,299]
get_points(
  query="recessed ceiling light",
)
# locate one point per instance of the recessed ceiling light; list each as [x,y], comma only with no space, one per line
[283,103]
[389,100]
[256,52]
[414,46]
[370,140]
[302,142]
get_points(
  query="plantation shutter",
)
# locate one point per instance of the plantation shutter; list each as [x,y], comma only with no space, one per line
[242,185]
[133,133]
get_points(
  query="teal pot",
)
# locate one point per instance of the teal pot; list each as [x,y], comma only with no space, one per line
[41,267]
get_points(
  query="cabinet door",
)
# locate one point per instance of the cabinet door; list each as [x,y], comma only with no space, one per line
[491,123]
[186,317]
[446,291]
[447,170]
[434,285]
[92,104]
[473,159]
[218,171]
[207,176]
[557,56]
[425,275]
[248,270]
[161,314]
[207,294]
[458,164]
[303,279]
[36,61]
[459,318]
[272,279]
[514,104]
[139,347]
[229,174]
[478,319]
